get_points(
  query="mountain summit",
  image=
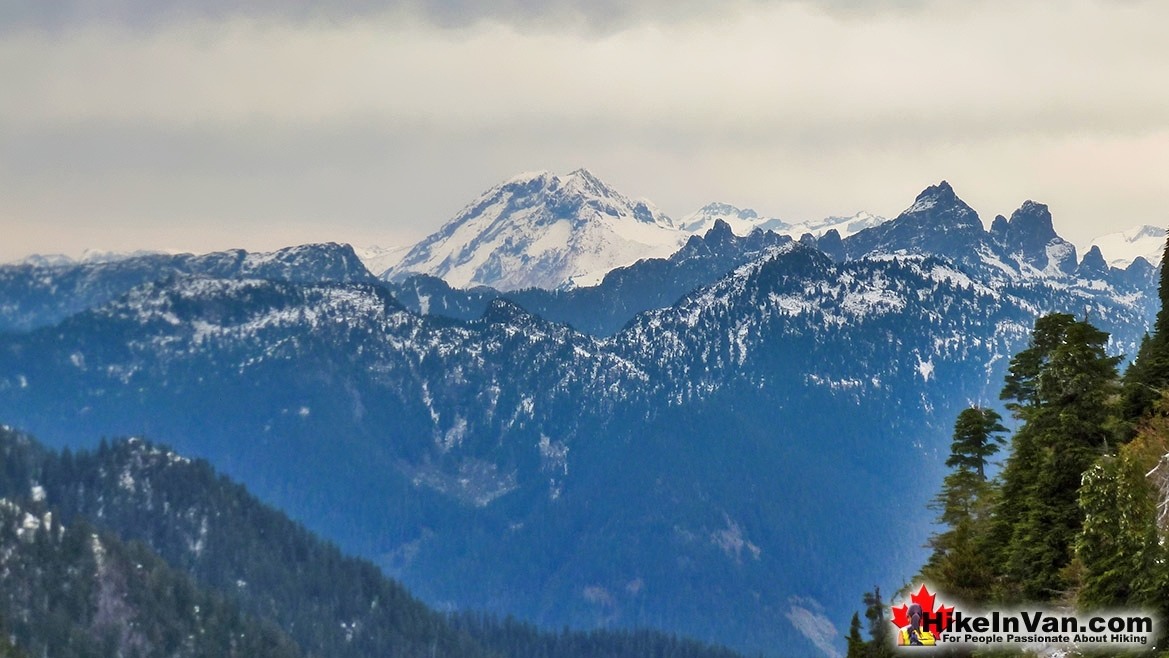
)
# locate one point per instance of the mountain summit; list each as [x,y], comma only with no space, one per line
[938,223]
[1030,236]
[543,230]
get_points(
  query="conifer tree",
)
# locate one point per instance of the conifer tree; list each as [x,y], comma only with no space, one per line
[1117,547]
[977,437]
[856,644]
[1062,388]
[957,564]
[1148,376]
[880,646]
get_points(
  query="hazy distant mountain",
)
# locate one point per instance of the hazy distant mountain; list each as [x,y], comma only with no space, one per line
[40,292]
[1122,248]
[743,221]
[379,259]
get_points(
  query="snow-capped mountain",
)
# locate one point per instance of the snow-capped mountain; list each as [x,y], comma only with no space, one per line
[744,220]
[1122,248]
[379,259]
[602,309]
[543,230]
[845,226]
[1024,247]
[741,220]
[44,291]
[89,256]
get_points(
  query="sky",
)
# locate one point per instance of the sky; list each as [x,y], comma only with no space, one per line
[196,126]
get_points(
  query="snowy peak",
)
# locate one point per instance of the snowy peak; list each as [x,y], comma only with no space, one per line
[542,230]
[306,263]
[1029,236]
[741,220]
[932,196]
[378,259]
[844,226]
[718,209]
[938,223]
[1121,249]
[744,220]
[940,205]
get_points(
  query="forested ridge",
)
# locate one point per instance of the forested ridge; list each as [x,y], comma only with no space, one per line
[1075,519]
[133,550]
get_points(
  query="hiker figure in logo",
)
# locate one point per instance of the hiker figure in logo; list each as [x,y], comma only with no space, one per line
[915,625]
[914,635]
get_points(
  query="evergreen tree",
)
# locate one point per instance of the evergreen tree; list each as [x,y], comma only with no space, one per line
[1148,376]
[1122,558]
[957,564]
[880,645]
[1062,388]
[856,644]
[976,439]
[1118,549]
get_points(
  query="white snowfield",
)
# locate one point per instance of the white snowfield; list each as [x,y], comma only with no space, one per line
[1122,248]
[744,220]
[543,230]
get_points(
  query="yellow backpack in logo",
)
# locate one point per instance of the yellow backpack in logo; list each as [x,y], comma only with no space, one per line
[926,638]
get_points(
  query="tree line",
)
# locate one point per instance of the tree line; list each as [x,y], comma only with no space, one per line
[1075,518]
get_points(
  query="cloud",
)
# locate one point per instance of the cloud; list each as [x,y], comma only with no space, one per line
[595,16]
[807,615]
[361,121]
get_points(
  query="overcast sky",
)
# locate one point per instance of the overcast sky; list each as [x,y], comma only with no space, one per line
[160,124]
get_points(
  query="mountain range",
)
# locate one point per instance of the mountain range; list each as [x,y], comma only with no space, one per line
[550,232]
[741,444]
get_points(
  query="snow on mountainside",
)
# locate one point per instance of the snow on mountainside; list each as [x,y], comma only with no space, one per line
[379,259]
[845,226]
[741,220]
[744,220]
[1120,249]
[88,257]
[543,230]
[45,291]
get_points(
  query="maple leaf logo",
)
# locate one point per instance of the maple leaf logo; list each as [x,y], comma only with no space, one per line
[926,600]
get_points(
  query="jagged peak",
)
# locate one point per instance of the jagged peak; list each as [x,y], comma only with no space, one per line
[942,195]
[999,226]
[1034,215]
[584,181]
[1093,261]
[720,229]
[504,311]
[584,174]
[726,209]
[1030,227]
